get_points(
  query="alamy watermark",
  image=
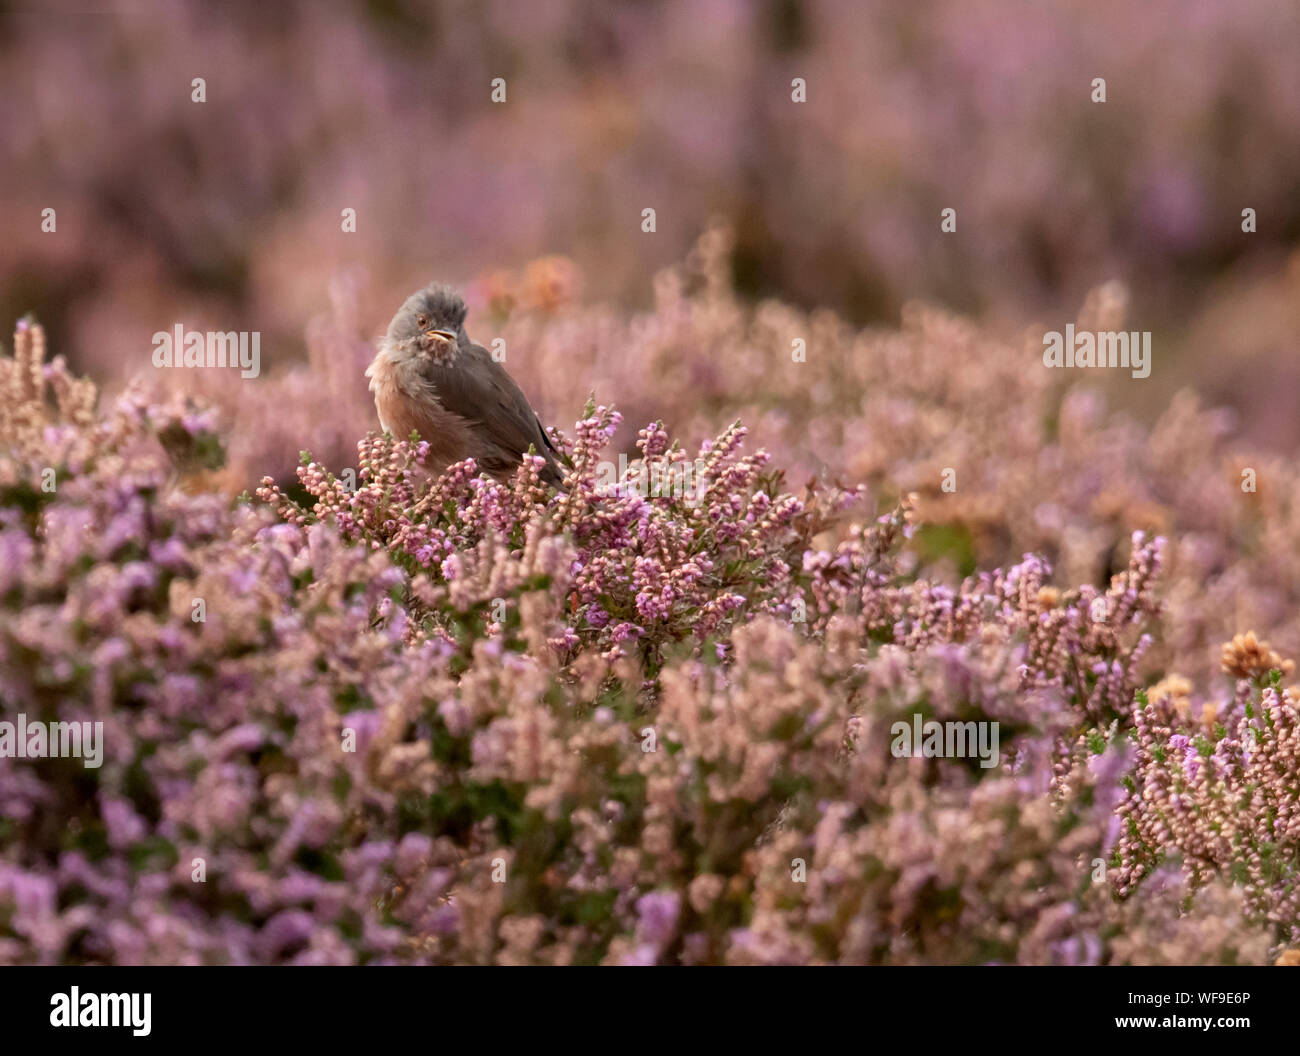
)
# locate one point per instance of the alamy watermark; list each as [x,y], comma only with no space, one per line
[945,740]
[76,1009]
[239,349]
[1106,348]
[53,740]
[660,478]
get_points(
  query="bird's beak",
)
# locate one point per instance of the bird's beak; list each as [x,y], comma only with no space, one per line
[440,335]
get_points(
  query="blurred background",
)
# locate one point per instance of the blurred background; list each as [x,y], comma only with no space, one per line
[226,214]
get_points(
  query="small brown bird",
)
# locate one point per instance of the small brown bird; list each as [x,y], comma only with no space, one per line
[431,378]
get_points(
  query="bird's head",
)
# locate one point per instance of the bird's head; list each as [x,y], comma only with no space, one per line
[431,322]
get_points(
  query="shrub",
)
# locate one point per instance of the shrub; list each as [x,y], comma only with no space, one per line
[457,720]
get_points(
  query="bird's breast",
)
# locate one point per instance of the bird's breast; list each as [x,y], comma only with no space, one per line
[406,402]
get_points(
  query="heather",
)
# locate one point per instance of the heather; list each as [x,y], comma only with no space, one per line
[391,718]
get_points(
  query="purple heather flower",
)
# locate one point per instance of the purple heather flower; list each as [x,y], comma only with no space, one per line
[657,913]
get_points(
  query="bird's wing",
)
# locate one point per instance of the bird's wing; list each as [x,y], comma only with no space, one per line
[547,438]
[477,388]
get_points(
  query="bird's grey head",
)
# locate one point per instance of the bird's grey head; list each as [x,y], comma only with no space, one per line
[431,321]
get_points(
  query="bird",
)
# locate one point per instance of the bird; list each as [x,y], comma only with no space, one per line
[430,378]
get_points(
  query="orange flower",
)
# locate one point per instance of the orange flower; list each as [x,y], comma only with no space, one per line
[1246,656]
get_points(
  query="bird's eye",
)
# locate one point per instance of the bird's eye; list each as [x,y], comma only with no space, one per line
[421,321]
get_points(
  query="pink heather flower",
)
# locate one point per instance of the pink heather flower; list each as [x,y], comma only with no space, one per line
[657,914]
[289,928]
[123,824]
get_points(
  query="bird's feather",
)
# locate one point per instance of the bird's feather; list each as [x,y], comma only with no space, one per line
[477,388]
